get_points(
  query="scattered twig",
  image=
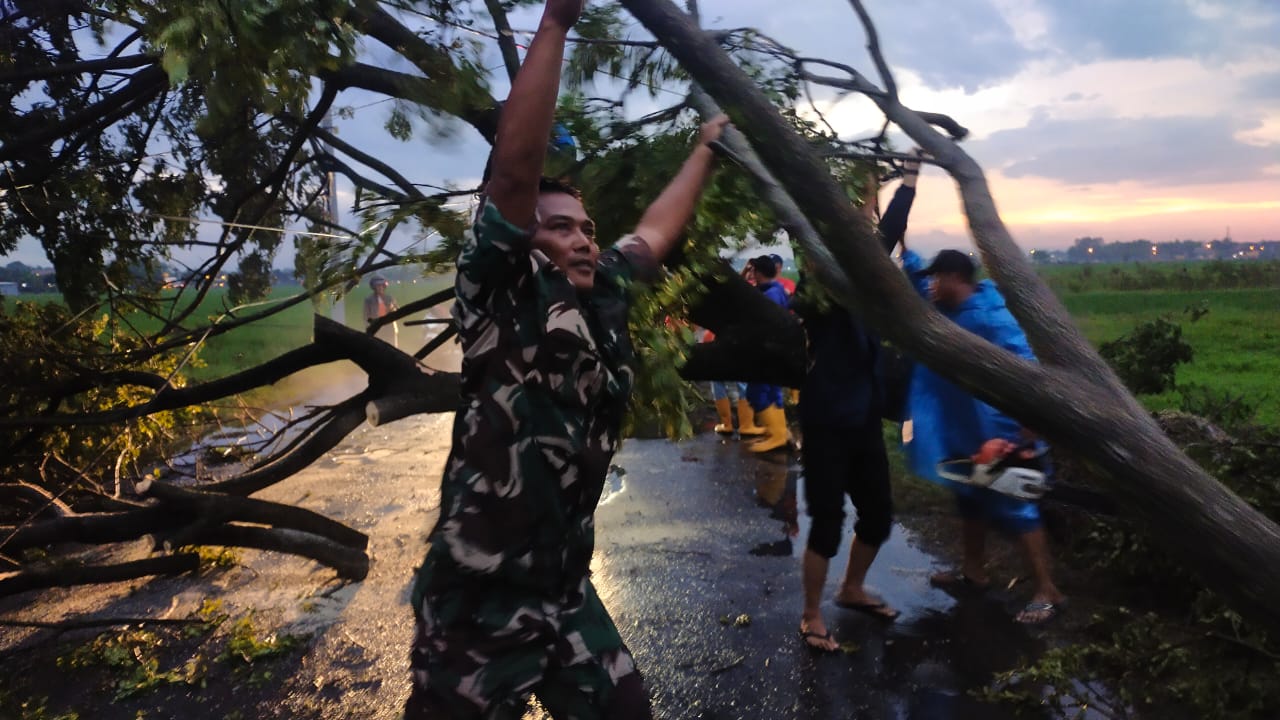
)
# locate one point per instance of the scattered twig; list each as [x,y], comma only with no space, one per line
[728,666]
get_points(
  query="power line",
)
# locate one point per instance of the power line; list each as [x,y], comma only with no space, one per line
[530,33]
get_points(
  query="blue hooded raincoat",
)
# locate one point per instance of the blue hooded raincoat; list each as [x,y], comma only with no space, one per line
[949,423]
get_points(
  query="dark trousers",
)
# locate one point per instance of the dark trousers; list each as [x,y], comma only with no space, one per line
[841,461]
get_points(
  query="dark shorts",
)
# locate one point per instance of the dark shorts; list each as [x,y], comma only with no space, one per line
[841,461]
[761,396]
[483,655]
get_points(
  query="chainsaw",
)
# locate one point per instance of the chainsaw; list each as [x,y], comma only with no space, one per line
[1017,474]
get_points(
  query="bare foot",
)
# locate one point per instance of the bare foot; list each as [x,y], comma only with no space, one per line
[815,634]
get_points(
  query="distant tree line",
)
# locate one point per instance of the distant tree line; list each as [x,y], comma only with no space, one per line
[1173,276]
[28,279]
[1097,250]
[39,279]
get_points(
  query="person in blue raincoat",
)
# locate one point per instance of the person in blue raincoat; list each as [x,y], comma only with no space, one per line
[949,423]
[766,400]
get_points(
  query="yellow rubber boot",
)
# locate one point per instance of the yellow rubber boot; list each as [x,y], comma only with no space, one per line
[775,424]
[726,417]
[747,420]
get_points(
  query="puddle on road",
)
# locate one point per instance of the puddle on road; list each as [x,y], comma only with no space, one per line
[901,572]
[942,646]
[613,484]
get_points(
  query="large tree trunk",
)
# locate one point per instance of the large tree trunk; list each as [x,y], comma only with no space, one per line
[1073,399]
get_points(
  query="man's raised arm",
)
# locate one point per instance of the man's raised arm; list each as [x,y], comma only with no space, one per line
[663,222]
[524,127]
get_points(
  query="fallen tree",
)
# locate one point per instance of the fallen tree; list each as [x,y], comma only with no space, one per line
[220,513]
[1072,396]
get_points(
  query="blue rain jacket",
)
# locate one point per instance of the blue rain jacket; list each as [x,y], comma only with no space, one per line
[759,395]
[948,422]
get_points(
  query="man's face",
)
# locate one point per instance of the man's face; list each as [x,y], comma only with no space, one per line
[379,289]
[567,237]
[946,289]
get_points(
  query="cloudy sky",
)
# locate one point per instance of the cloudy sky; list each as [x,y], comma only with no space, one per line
[1125,119]
[1156,119]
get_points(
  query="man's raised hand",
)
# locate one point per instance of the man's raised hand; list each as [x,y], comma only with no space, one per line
[563,13]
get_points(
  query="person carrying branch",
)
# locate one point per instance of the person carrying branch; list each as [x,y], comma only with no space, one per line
[504,605]
[843,452]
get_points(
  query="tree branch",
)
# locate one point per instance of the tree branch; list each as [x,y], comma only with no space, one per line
[506,39]
[1078,406]
[145,83]
[172,398]
[72,575]
[124,62]
[445,88]
[368,160]
[217,508]
[873,47]
[350,564]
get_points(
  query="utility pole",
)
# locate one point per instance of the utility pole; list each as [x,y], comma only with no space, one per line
[337,313]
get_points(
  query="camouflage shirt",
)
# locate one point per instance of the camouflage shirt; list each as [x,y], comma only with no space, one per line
[546,373]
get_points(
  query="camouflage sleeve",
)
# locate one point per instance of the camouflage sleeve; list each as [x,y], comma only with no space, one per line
[630,260]
[494,255]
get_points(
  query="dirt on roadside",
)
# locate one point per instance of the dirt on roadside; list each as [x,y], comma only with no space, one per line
[315,648]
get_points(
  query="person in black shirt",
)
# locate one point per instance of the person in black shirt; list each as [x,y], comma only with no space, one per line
[843,450]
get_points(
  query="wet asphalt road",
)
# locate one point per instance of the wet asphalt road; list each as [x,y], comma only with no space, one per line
[690,536]
[700,533]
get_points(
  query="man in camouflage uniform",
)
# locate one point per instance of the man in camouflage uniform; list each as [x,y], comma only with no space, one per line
[504,604]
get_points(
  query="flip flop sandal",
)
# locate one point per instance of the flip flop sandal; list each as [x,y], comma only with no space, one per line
[1050,610]
[805,635]
[879,610]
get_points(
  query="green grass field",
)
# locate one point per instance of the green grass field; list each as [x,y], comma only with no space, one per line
[1236,344]
[263,340]
[258,342]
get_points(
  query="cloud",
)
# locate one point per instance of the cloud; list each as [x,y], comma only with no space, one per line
[950,44]
[1155,150]
[1263,86]
[1151,29]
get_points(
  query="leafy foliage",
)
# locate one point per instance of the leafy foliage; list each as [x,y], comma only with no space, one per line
[1169,642]
[1221,407]
[78,355]
[252,282]
[30,708]
[1147,358]
[262,49]
[138,661]
[133,654]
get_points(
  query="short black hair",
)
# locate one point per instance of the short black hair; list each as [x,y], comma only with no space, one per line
[765,266]
[552,185]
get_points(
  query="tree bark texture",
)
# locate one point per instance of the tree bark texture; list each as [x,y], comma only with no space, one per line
[72,575]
